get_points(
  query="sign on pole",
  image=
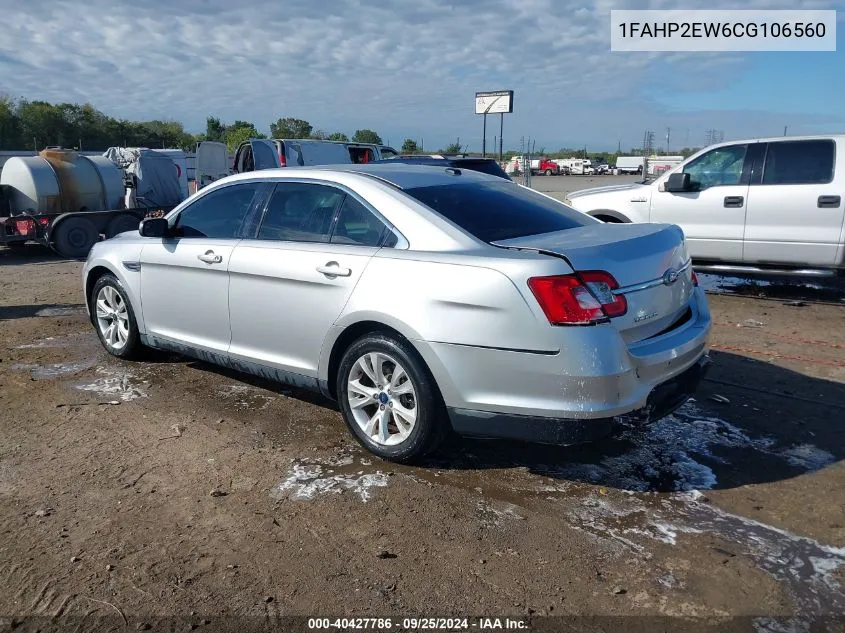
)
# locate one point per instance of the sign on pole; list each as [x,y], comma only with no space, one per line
[497,102]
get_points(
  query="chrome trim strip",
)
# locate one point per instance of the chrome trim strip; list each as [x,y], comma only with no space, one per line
[648,284]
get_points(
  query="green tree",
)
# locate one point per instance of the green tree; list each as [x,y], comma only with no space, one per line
[409,146]
[214,129]
[10,137]
[366,136]
[319,135]
[239,132]
[452,148]
[338,136]
[42,124]
[291,128]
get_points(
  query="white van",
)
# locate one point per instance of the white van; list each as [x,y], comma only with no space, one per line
[272,153]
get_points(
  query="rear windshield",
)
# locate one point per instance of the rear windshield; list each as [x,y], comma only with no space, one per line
[493,211]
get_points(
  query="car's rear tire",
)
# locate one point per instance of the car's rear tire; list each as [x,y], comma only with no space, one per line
[114,318]
[389,399]
[548,172]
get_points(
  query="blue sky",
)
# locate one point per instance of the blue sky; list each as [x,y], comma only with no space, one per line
[411,68]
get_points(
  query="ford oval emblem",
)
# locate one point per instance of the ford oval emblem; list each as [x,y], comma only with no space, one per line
[670,276]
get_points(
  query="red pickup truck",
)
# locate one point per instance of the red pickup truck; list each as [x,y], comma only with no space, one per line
[545,166]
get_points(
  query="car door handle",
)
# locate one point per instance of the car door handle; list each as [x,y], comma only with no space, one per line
[333,269]
[829,202]
[734,201]
[210,258]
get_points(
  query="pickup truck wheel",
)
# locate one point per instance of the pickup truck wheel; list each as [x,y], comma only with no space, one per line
[74,237]
[122,223]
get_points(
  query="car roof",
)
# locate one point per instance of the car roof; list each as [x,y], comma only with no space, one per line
[398,174]
[407,176]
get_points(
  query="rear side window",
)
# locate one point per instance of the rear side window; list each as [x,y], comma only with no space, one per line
[493,211]
[357,225]
[799,163]
[300,212]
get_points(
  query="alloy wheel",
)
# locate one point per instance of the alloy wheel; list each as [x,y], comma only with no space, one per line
[382,398]
[112,317]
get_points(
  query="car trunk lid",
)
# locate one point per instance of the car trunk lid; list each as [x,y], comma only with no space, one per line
[649,261]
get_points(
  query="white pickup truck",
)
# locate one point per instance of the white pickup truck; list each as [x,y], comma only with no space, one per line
[764,205]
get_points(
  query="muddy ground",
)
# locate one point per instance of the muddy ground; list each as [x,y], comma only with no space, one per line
[168,487]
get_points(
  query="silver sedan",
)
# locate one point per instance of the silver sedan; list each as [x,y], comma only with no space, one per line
[423,300]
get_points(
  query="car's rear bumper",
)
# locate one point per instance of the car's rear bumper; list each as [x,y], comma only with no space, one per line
[594,374]
[663,400]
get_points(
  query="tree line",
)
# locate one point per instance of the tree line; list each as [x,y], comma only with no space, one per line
[26,124]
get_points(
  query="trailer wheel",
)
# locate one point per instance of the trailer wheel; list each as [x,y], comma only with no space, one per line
[74,237]
[122,223]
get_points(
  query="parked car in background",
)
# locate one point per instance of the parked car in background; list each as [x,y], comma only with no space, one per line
[602,169]
[752,206]
[629,165]
[258,154]
[484,165]
[290,274]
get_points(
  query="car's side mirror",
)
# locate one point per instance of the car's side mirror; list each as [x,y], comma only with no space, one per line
[678,182]
[154,227]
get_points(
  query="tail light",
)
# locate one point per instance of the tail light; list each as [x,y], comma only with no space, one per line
[282,160]
[694,279]
[25,227]
[579,299]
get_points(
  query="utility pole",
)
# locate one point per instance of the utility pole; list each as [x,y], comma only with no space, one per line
[668,133]
[784,130]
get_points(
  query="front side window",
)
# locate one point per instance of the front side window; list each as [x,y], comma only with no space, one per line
[219,214]
[300,212]
[799,162]
[719,167]
[357,225]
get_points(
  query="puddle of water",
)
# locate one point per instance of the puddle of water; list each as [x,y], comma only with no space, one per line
[61,311]
[56,370]
[50,341]
[56,342]
[316,477]
[719,284]
[663,454]
[669,455]
[807,456]
[112,384]
[804,565]
[245,397]
[491,516]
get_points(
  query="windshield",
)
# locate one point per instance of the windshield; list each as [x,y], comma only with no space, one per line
[493,211]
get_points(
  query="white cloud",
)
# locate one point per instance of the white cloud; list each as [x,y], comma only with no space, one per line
[402,68]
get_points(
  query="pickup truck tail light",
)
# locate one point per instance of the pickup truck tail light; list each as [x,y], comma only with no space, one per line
[282,160]
[579,299]
[694,279]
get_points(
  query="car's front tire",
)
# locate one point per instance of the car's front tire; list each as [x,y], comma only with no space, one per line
[389,398]
[114,318]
